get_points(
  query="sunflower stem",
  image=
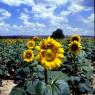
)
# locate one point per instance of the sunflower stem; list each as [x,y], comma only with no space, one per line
[74,59]
[46,76]
[75,65]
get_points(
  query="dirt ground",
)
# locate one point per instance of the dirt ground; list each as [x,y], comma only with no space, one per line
[6,87]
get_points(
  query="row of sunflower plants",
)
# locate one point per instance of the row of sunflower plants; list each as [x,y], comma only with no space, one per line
[9,58]
[49,67]
[78,67]
[89,48]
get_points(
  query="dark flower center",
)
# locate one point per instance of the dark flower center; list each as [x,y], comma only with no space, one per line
[76,39]
[30,44]
[28,55]
[74,47]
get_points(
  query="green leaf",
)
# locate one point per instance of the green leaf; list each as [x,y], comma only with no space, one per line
[40,87]
[59,87]
[63,86]
[29,88]
[2,69]
[56,75]
[84,88]
[39,72]
[17,91]
[48,90]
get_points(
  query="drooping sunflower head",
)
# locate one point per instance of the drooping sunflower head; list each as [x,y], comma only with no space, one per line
[35,38]
[28,55]
[75,38]
[31,44]
[50,54]
[75,47]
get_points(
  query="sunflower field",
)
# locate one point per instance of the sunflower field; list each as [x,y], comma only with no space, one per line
[47,66]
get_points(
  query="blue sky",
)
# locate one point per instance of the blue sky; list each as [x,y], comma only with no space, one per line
[42,17]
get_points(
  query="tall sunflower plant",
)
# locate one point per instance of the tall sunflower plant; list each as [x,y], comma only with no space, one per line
[19,64]
[72,52]
[77,67]
[29,62]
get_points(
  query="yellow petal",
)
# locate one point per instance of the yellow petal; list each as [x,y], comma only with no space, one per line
[60,50]
[59,55]
[37,48]
[58,62]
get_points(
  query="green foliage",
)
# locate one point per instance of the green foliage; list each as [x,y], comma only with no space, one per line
[18,91]
[29,87]
[73,76]
[59,87]
[36,87]
[79,73]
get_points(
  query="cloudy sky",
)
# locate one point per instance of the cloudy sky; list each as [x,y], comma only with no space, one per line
[42,17]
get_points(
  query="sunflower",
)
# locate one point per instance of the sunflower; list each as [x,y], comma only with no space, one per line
[35,38]
[10,41]
[28,55]
[31,44]
[50,53]
[75,47]
[75,38]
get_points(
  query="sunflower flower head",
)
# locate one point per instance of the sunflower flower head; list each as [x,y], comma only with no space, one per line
[10,41]
[35,38]
[28,55]
[75,38]
[75,47]
[31,44]
[50,54]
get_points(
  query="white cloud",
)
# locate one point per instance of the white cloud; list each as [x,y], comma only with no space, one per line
[18,2]
[70,30]
[65,13]
[25,21]
[4,27]
[41,29]
[88,20]
[27,27]
[42,10]
[89,23]
[24,17]
[4,14]
[91,18]
[77,6]
[26,10]
[56,2]
[32,2]
[30,29]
